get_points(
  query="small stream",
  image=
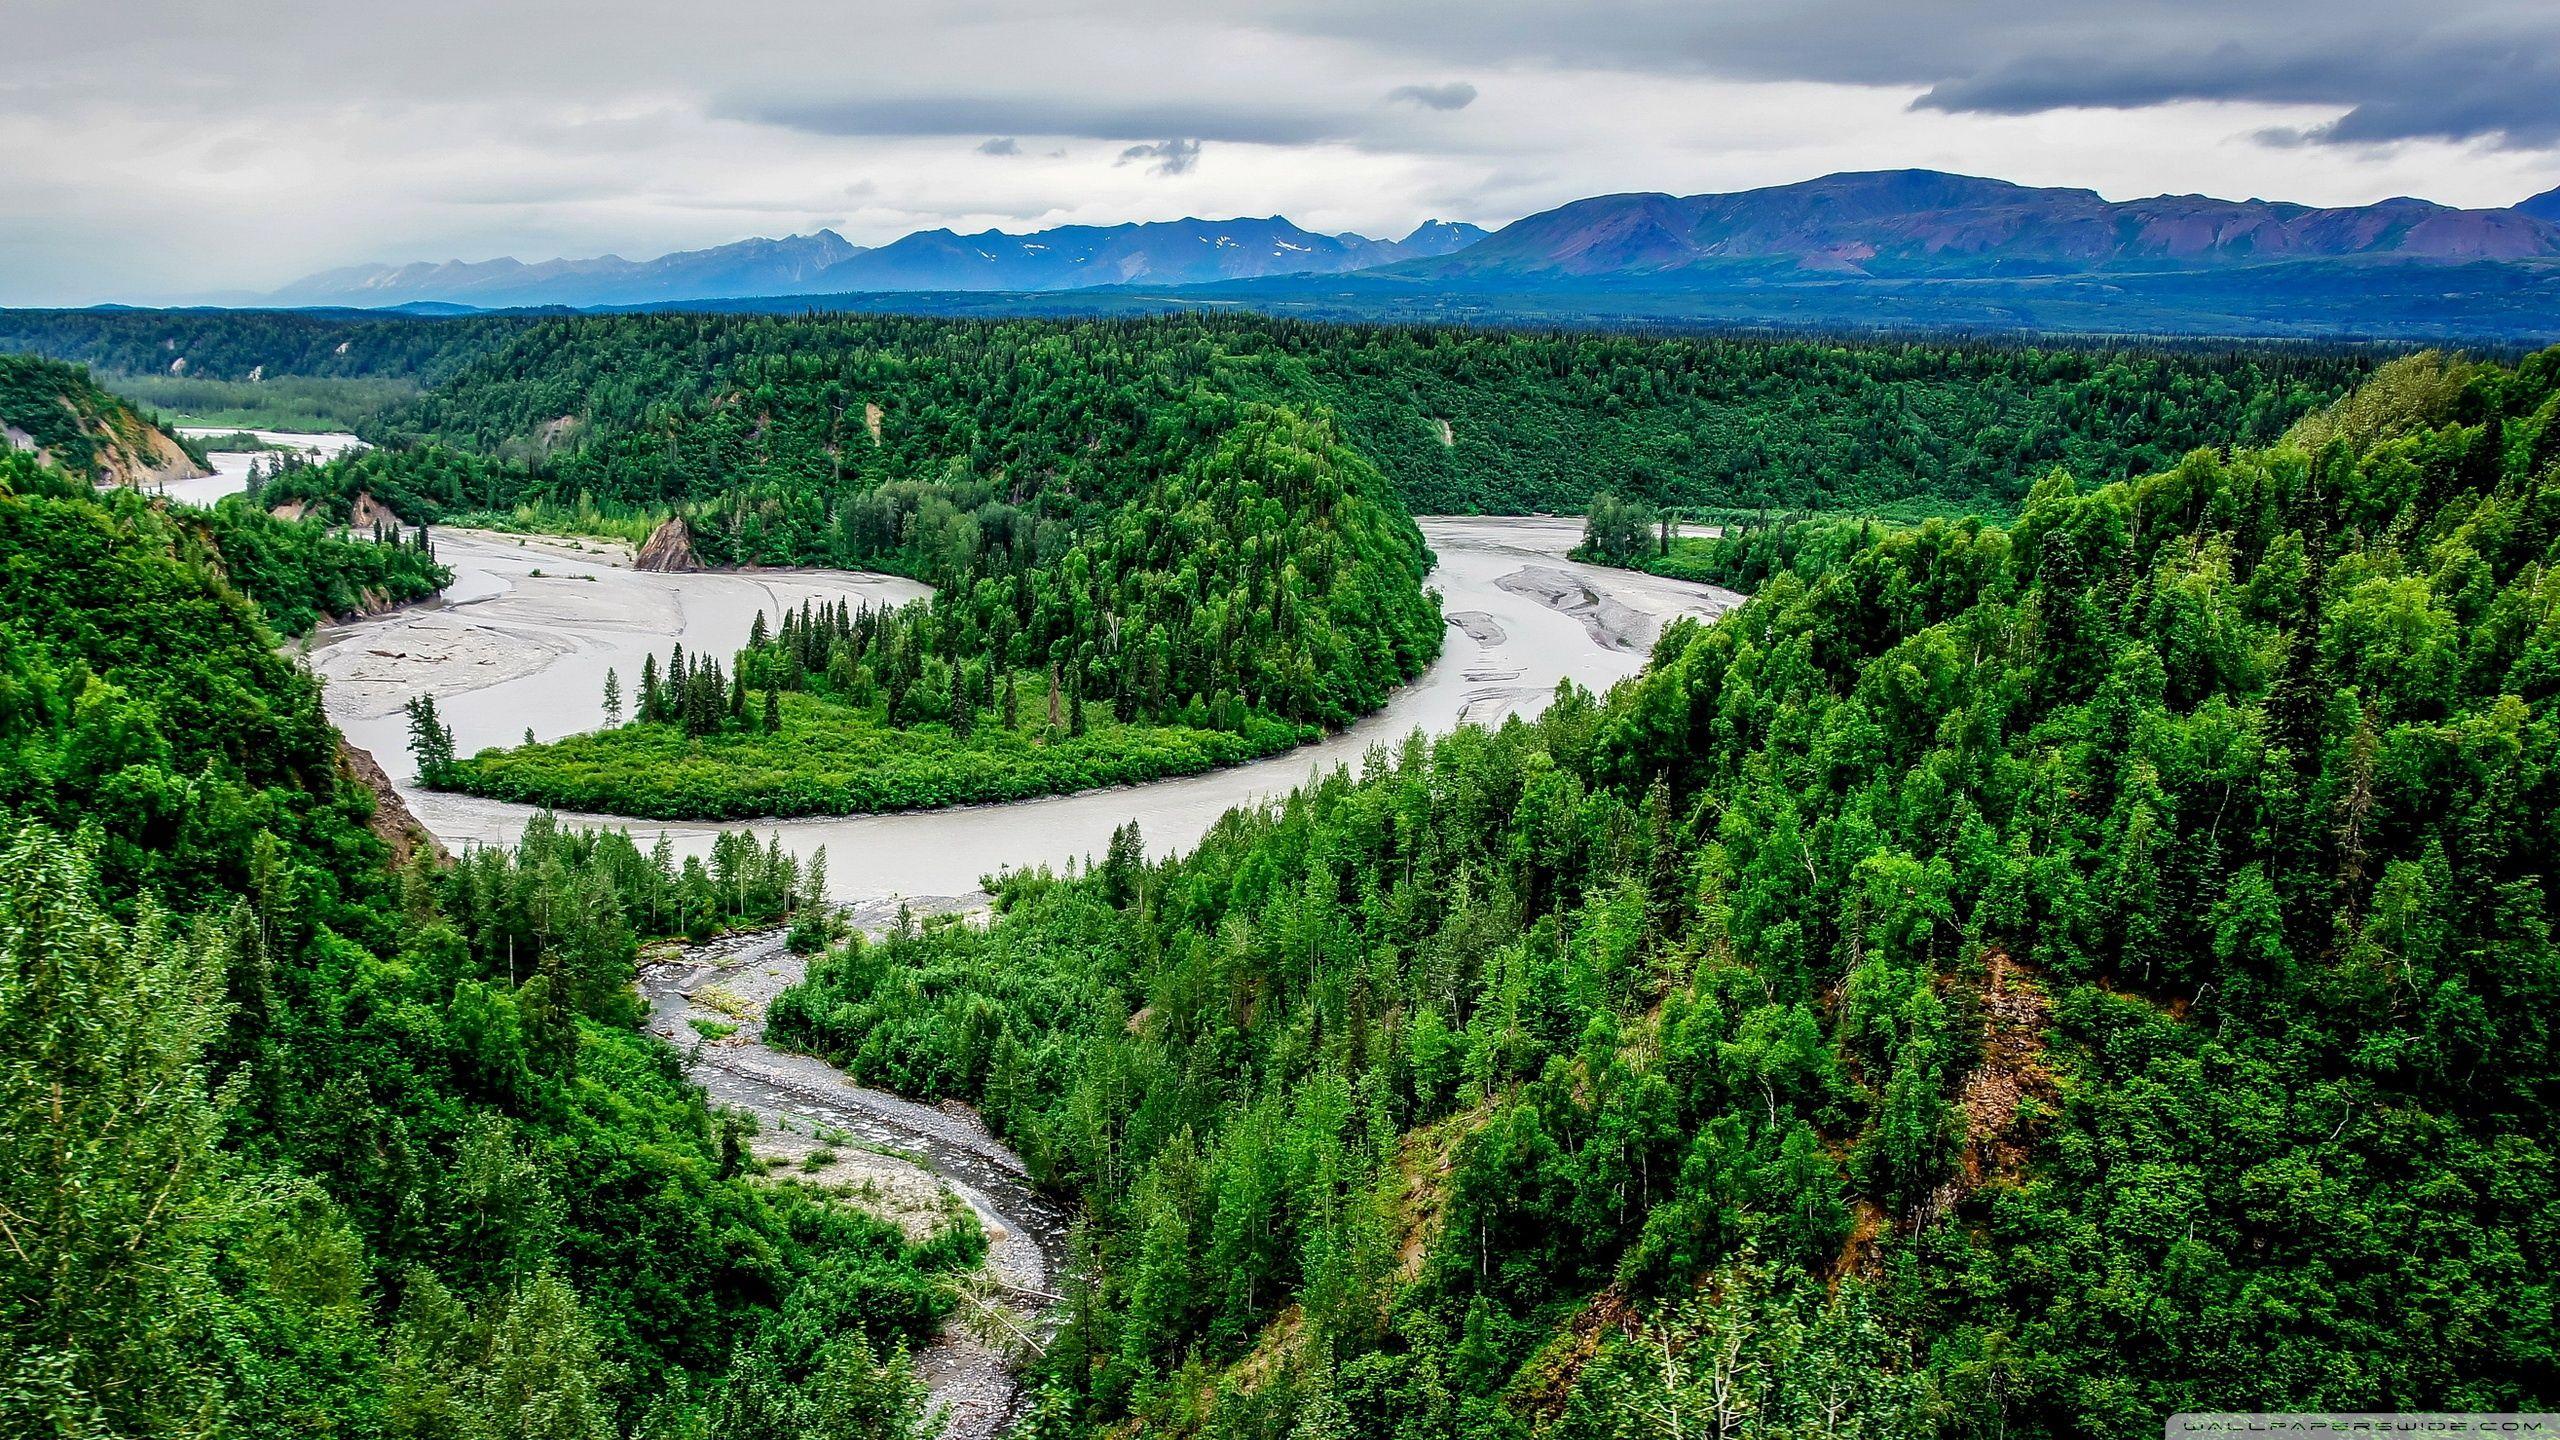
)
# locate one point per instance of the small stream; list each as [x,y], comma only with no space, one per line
[730,981]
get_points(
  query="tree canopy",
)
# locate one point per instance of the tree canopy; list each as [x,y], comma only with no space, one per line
[2003,980]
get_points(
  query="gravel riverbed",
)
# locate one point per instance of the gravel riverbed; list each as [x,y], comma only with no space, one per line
[895,1156]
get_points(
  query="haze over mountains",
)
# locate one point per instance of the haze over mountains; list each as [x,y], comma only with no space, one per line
[1176,252]
[749,267]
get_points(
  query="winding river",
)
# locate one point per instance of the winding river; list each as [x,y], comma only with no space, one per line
[900,1158]
[521,642]
[524,636]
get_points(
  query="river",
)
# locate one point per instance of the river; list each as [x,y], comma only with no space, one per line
[231,467]
[522,640]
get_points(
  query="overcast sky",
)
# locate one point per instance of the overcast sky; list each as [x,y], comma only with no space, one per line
[161,149]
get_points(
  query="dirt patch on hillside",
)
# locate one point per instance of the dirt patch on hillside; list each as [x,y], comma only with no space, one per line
[1858,1255]
[129,450]
[2012,1068]
[370,514]
[1547,1381]
[391,821]
[670,549]
[872,415]
[151,458]
[2014,1013]
[1426,1160]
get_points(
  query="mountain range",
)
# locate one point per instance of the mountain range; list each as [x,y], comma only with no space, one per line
[1870,249]
[1174,252]
[1927,223]
[749,267]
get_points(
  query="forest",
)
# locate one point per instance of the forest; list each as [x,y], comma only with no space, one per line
[1215,578]
[248,346]
[2009,979]
[307,1130]
[1461,420]
[2005,980]
[1195,527]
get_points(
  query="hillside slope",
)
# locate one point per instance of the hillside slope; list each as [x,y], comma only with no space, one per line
[292,1144]
[2000,981]
[56,412]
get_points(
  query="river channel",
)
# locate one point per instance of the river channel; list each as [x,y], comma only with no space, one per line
[522,640]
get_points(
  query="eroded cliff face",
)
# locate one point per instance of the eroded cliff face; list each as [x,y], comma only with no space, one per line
[670,549]
[122,448]
[147,457]
[392,821]
[368,514]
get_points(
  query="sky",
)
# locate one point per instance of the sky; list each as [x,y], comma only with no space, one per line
[154,151]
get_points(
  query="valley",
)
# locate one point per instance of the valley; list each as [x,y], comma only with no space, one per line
[893,1155]
[1997,816]
[1139,721]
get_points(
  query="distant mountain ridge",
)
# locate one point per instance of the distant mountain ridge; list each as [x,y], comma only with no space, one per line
[1175,252]
[1886,248]
[748,267]
[1172,252]
[1890,223]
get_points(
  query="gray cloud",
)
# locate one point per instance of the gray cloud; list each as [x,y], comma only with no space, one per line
[1000,145]
[1164,157]
[2503,87]
[2451,69]
[1456,95]
[1085,117]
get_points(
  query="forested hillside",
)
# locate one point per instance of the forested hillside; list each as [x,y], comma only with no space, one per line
[298,573]
[293,1143]
[297,370]
[1259,593]
[1185,540]
[57,413]
[1500,422]
[1192,525]
[246,345]
[1210,578]
[1536,420]
[2002,981]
